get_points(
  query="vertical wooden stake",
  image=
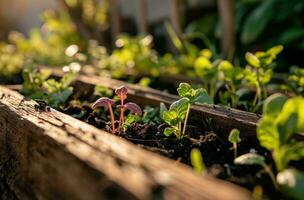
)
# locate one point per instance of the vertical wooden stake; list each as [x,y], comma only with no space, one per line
[114,20]
[141,17]
[175,16]
[226,13]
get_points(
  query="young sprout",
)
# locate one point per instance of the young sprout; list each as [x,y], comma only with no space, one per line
[256,159]
[234,138]
[179,110]
[197,161]
[121,92]
[106,102]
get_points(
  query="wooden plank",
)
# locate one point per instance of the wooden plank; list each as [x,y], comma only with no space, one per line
[49,155]
[114,20]
[226,14]
[141,16]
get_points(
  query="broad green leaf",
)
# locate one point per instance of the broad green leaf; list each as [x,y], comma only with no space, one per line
[234,136]
[203,68]
[201,96]
[257,20]
[184,90]
[180,107]
[171,117]
[250,159]
[274,104]
[267,133]
[169,131]
[288,152]
[197,160]
[291,182]
[252,60]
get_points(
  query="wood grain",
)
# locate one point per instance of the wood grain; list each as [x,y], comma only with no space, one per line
[49,155]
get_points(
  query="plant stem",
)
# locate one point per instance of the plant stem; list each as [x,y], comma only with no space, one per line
[122,110]
[186,119]
[233,97]
[112,118]
[272,177]
[235,149]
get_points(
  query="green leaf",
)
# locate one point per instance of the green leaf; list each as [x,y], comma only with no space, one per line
[171,117]
[197,161]
[288,152]
[194,95]
[202,97]
[162,109]
[184,90]
[169,131]
[274,104]
[267,133]
[257,21]
[180,107]
[274,51]
[252,60]
[291,183]
[250,159]
[234,136]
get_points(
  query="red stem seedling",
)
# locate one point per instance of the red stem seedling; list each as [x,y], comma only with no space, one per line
[121,92]
[106,102]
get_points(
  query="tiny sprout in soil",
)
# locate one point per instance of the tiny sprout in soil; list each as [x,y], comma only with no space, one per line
[121,93]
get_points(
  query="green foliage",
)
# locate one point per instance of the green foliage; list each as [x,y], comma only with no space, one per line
[197,161]
[103,91]
[250,159]
[295,81]
[36,85]
[179,110]
[282,119]
[151,115]
[11,61]
[131,119]
[232,77]
[259,72]
[234,136]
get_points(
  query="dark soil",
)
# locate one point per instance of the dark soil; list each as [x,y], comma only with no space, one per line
[214,146]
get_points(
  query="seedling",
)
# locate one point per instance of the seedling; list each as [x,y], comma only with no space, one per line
[121,93]
[259,71]
[179,110]
[197,161]
[232,77]
[282,119]
[234,138]
[256,159]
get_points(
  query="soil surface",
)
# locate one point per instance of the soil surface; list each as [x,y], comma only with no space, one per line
[216,150]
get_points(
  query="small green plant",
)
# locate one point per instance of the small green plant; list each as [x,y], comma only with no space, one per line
[296,81]
[197,161]
[259,72]
[282,119]
[36,85]
[121,93]
[207,71]
[232,77]
[234,138]
[256,159]
[178,112]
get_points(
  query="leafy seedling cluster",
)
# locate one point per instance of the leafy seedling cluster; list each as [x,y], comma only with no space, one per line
[179,110]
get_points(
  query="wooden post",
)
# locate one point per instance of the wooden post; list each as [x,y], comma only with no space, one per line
[114,20]
[141,17]
[175,16]
[226,13]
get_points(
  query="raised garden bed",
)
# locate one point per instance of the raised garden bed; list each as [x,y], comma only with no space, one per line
[49,155]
